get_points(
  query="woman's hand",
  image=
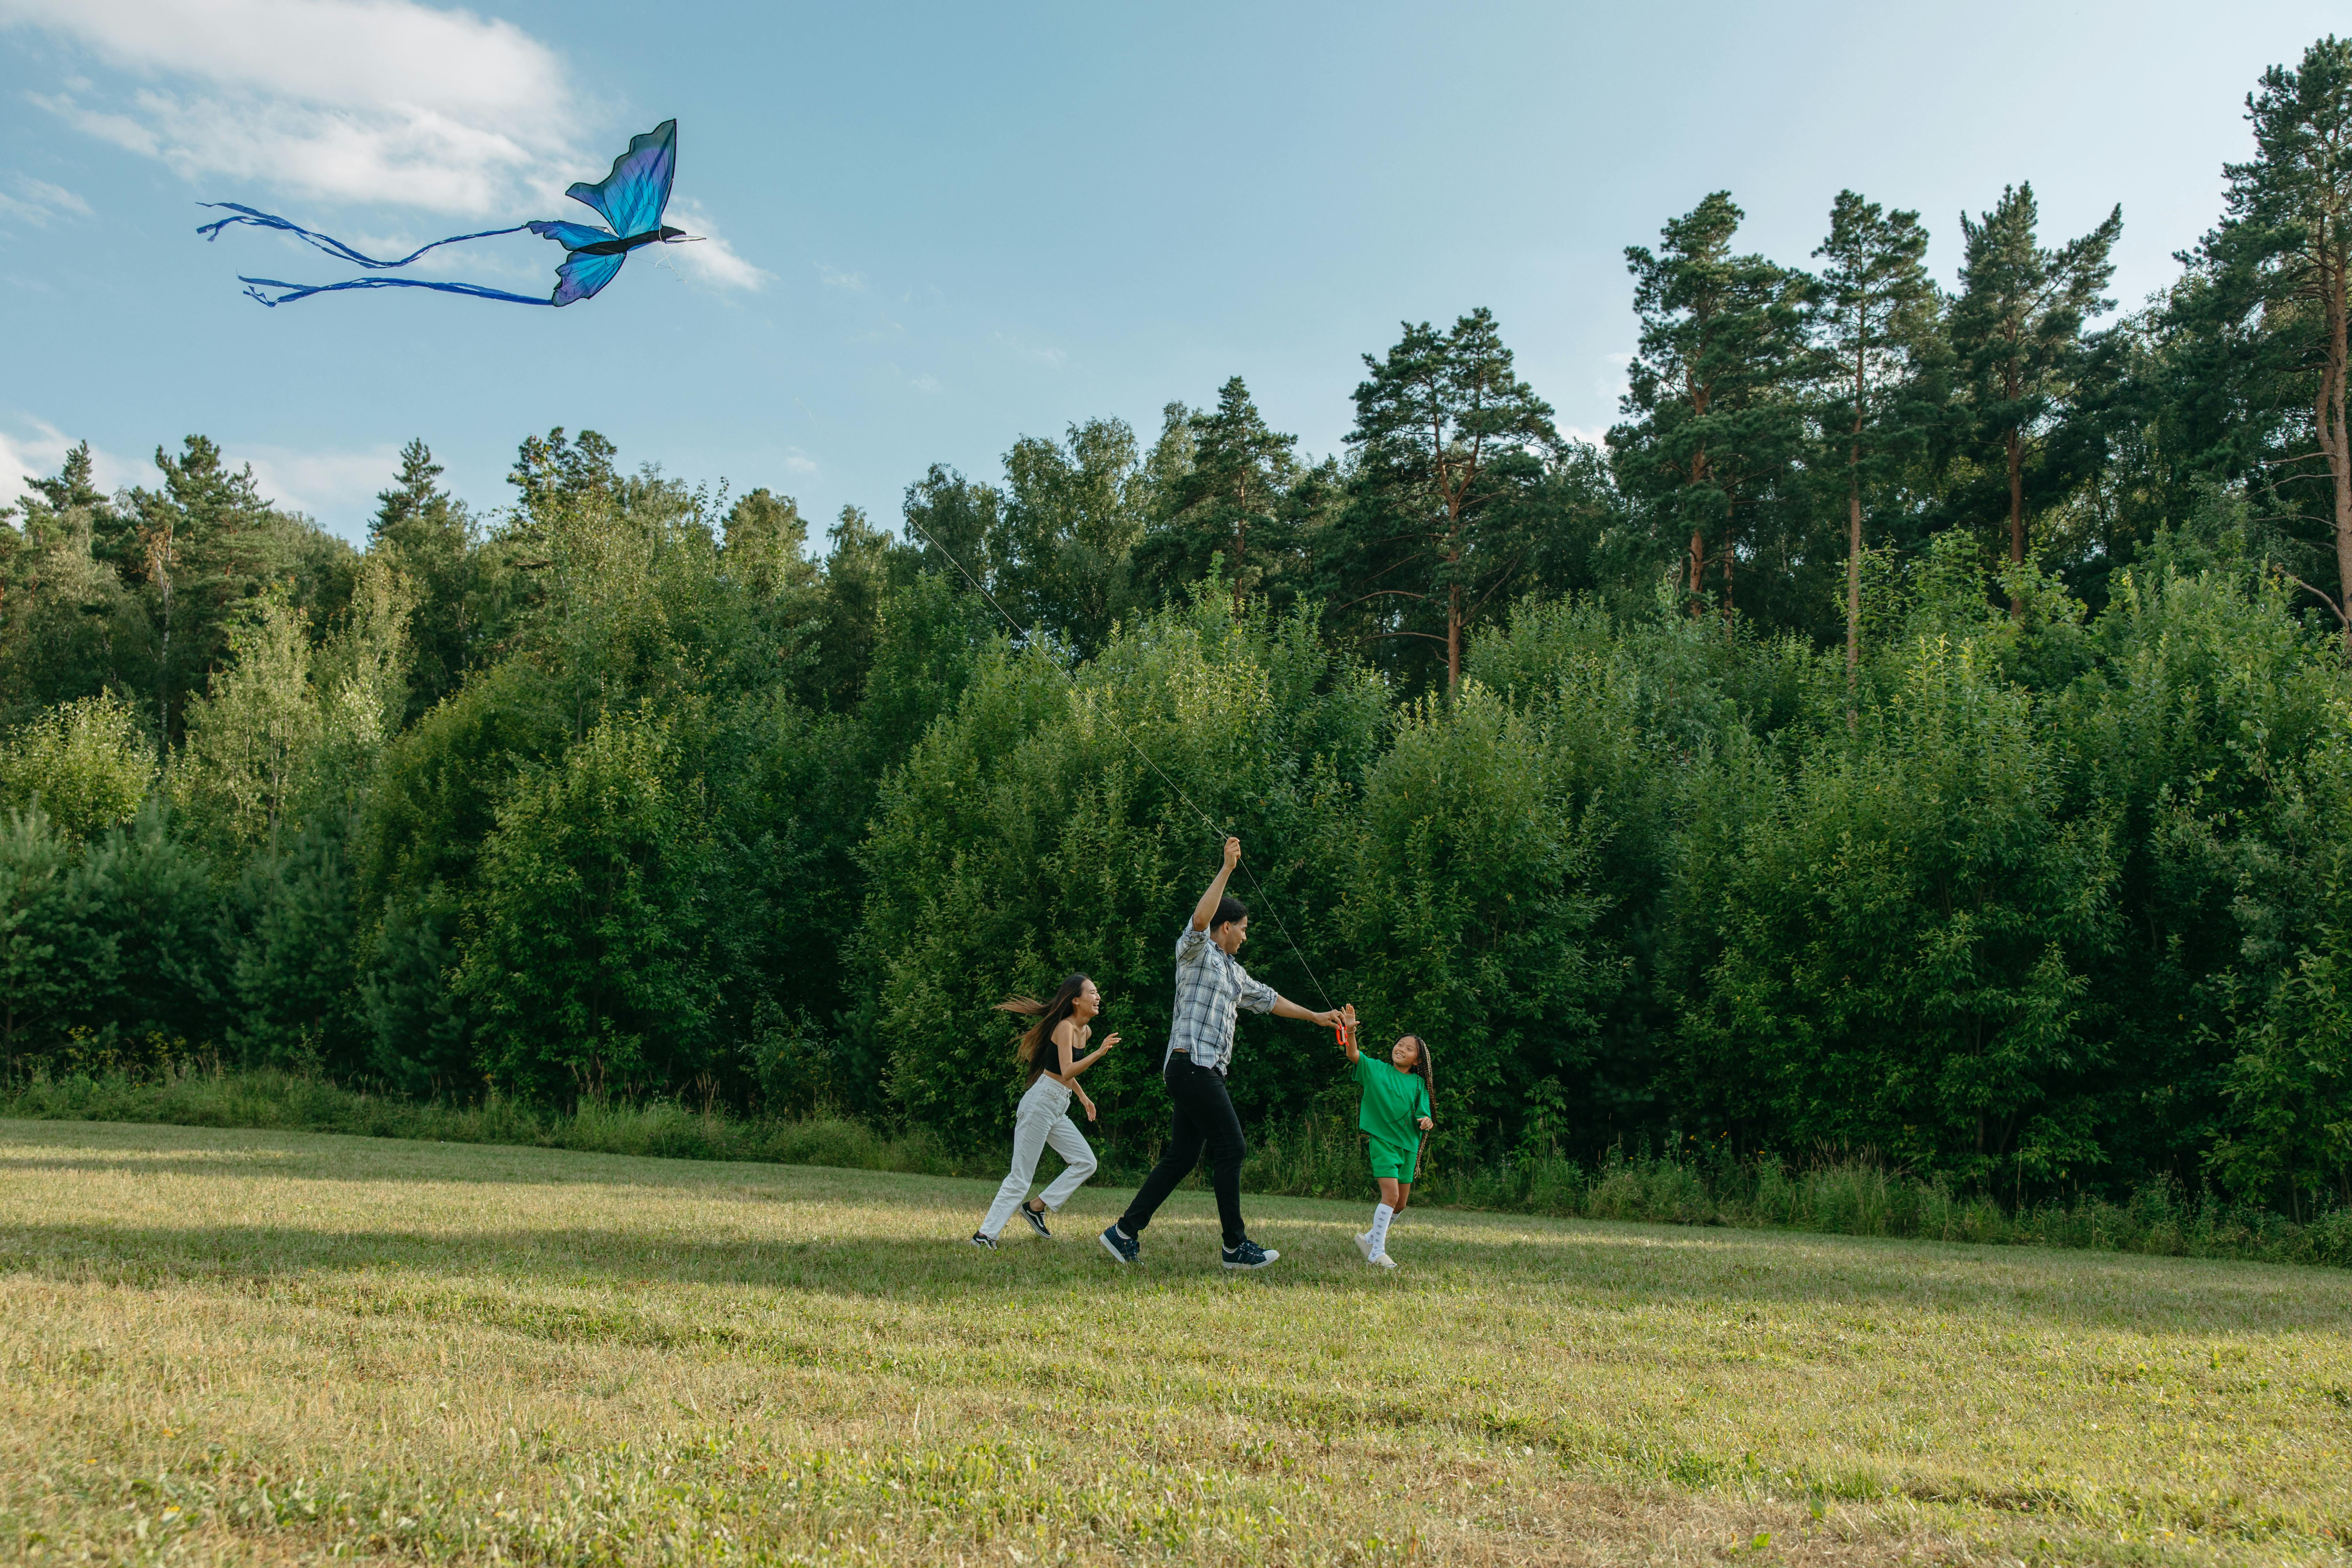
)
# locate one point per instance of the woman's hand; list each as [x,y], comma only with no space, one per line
[1426,1124]
[1108,1041]
[1090,1107]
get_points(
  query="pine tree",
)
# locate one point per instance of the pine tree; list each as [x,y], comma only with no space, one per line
[73,489]
[1873,324]
[430,541]
[2018,328]
[199,557]
[1241,471]
[1714,422]
[69,629]
[2269,285]
[1448,441]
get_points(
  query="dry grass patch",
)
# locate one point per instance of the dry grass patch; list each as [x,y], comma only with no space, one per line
[250,1346]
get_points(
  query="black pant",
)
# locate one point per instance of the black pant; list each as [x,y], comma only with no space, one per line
[1204,1115]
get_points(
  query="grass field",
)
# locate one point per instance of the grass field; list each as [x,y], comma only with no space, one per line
[264,1346]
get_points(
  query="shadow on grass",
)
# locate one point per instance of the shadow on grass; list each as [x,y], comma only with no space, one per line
[1527,1263]
[1619,1263]
[354,1159]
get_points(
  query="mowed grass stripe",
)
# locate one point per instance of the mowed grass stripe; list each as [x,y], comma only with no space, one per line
[540,1354]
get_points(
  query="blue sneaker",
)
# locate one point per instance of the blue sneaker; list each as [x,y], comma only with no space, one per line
[1122,1249]
[1249,1255]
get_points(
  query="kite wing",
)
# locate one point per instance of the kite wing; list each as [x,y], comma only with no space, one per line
[582,274]
[571,235]
[634,194]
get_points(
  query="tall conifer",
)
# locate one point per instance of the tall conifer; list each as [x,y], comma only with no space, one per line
[1874,320]
[429,540]
[1448,439]
[2018,327]
[1712,413]
[1240,470]
[2274,274]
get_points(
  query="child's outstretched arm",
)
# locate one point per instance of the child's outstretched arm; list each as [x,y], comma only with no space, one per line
[1348,1034]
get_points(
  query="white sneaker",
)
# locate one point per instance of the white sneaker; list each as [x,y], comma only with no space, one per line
[1382,1258]
[1364,1245]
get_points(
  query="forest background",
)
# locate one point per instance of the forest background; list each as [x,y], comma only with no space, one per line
[1921,729]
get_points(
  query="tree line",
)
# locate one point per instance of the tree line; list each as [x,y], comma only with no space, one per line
[1920,727]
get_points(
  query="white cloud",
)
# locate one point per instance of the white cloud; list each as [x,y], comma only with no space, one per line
[1050,357]
[832,277]
[798,462]
[35,449]
[710,257]
[1595,437]
[924,382]
[336,487]
[1610,382]
[349,100]
[25,200]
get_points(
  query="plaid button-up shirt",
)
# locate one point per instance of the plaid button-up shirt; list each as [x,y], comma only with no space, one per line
[1209,985]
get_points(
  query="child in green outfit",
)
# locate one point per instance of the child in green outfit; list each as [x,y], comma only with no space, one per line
[1396,1112]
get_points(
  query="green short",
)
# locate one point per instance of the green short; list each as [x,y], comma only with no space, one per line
[1394,1160]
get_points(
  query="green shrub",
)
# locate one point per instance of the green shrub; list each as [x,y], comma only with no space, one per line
[87,764]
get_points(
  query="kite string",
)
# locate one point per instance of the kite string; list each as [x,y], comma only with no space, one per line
[1210,822]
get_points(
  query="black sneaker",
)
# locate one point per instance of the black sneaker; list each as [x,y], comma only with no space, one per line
[1036,1218]
[1249,1255]
[985,1243]
[1122,1249]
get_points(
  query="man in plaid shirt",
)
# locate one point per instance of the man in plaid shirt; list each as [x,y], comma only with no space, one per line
[1211,987]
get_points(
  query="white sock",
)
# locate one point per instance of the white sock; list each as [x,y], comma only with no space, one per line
[1381,1215]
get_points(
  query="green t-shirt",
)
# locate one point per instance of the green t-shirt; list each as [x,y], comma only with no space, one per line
[1393,1101]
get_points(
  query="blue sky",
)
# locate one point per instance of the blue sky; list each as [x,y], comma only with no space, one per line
[939,227]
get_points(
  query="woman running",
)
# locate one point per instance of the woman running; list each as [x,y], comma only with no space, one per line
[1051,1050]
[1395,1113]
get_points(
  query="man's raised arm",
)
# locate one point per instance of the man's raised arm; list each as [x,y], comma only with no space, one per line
[1207,907]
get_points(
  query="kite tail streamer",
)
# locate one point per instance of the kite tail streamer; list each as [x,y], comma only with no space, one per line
[327,243]
[304,290]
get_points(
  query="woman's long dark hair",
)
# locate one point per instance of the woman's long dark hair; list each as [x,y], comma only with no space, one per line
[1039,1035]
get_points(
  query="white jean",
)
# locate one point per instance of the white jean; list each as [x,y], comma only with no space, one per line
[1042,1122]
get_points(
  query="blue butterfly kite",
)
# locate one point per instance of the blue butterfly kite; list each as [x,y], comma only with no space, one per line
[630,199]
